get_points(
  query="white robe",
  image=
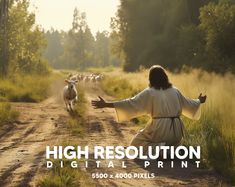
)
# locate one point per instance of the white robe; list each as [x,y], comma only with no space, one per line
[159,104]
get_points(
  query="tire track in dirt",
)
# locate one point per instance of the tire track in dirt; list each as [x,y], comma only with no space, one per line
[22,146]
[18,140]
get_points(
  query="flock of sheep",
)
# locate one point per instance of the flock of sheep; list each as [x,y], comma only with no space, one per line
[94,77]
[70,91]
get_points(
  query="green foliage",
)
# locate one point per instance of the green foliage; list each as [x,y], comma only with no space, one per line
[7,115]
[148,31]
[218,24]
[25,41]
[186,53]
[175,34]
[78,43]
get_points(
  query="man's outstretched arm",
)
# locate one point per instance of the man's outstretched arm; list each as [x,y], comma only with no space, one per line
[101,103]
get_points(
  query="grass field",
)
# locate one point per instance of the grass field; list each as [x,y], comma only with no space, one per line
[25,88]
[215,131]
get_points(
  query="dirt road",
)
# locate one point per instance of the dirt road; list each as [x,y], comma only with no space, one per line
[22,145]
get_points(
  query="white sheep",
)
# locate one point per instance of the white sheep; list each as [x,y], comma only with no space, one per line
[98,78]
[70,94]
[86,79]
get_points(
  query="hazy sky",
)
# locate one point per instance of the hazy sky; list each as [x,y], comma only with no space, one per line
[59,13]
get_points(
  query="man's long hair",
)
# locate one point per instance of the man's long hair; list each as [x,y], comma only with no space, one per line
[158,78]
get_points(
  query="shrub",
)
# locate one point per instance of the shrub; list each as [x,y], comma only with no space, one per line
[7,115]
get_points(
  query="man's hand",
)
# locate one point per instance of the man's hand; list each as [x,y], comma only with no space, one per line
[99,104]
[202,98]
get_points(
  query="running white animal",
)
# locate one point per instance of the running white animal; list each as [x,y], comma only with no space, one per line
[70,94]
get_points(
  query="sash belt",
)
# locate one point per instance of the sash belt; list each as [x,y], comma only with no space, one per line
[172,123]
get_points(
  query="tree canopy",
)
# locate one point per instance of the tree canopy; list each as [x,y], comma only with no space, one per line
[176,33]
[78,48]
[25,41]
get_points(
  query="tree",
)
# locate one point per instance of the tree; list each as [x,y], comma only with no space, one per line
[54,47]
[218,24]
[4,5]
[21,41]
[102,49]
[79,21]
[79,42]
[78,48]
[26,40]
[150,32]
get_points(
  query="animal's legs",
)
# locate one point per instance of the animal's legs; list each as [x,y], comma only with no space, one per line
[67,105]
[71,105]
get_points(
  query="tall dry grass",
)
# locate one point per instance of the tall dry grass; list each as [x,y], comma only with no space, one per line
[66,176]
[7,114]
[25,88]
[215,131]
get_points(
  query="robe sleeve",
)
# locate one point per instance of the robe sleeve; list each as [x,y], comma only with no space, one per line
[190,107]
[133,107]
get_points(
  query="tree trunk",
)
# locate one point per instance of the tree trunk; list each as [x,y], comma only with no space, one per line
[4,43]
